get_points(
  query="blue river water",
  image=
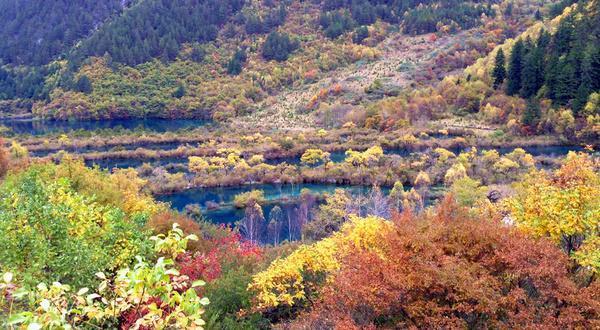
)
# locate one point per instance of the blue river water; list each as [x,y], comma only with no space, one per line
[42,127]
[336,157]
[221,198]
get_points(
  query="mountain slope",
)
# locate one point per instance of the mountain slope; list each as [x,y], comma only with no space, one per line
[555,66]
[211,77]
[225,59]
[36,31]
[157,28]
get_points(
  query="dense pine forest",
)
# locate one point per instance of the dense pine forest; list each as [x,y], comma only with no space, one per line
[565,64]
[290,164]
[37,32]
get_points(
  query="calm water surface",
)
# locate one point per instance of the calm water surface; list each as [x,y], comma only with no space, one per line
[275,194]
[41,127]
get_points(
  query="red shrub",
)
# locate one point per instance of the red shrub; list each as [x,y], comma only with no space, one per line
[451,270]
[129,318]
[200,266]
[225,251]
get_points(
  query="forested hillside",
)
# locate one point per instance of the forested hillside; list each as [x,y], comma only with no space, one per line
[158,28]
[552,70]
[36,32]
[187,46]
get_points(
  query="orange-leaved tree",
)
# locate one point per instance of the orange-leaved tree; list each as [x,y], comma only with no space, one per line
[453,269]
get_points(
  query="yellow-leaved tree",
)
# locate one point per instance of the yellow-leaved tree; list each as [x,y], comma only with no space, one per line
[293,280]
[564,206]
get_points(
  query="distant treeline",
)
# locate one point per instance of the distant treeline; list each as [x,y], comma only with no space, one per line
[157,29]
[415,16]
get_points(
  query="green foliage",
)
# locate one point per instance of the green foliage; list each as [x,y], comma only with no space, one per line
[566,82]
[255,24]
[149,295]
[234,66]
[566,64]
[533,72]
[468,192]
[157,29]
[24,82]
[515,68]
[340,16]
[54,231]
[34,32]
[198,53]
[179,92]
[84,84]
[360,34]
[446,15]
[335,24]
[278,46]
[228,295]
[531,116]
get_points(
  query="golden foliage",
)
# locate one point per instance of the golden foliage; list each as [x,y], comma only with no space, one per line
[563,206]
[289,281]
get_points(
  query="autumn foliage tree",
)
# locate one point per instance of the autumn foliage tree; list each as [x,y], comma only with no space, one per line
[449,269]
[563,206]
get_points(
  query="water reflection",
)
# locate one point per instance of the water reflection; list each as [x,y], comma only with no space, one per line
[41,127]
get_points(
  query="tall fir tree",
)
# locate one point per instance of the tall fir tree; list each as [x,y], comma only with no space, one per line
[235,64]
[499,73]
[593,60]
[564,35]
[515,68]
[566,82]
[551,76]
[581,97]
[532,114]
[84,84]
[543,40]
[586,79]
[532,77]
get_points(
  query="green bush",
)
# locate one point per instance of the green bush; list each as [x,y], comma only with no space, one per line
[52,232]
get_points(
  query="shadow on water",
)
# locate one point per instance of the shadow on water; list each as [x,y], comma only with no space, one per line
[41,127]
[217,203]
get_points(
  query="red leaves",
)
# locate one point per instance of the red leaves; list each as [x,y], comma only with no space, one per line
[129,318]
[453,270]
[223,251]
[200,266]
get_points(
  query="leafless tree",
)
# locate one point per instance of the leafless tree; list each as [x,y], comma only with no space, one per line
[275,224]
[253,223]
[378,203]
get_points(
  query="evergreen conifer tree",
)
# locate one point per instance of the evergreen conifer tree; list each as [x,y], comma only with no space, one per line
[531,116]
[499,73]
[566,82]
[515,68]
[84,84]
[532,75]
